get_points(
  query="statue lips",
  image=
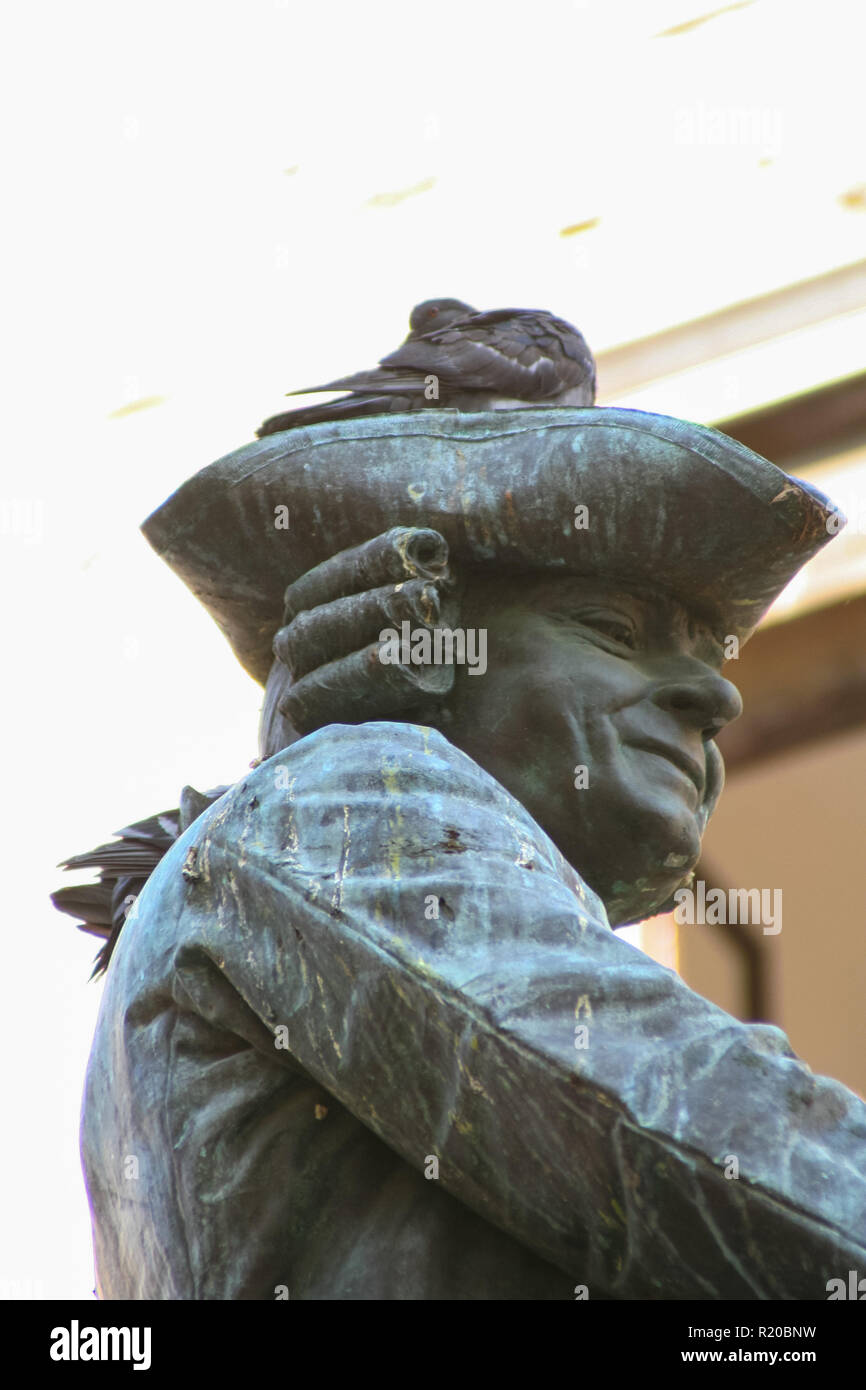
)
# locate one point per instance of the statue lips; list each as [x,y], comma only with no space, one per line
[690,766]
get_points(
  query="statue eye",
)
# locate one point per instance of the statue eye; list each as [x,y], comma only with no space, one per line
[621,631]
[618,627]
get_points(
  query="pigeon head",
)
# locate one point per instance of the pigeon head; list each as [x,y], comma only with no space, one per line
[437,313]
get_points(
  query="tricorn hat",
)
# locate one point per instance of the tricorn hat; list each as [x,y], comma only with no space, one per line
[644,498]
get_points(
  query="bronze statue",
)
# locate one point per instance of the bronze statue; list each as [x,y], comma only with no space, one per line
[367,1031]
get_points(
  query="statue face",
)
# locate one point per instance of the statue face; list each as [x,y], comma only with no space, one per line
[598,711]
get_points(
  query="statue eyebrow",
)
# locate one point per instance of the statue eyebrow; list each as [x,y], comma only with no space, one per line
[560,592]
[701,626]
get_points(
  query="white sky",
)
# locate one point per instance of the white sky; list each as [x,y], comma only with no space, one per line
[157,247]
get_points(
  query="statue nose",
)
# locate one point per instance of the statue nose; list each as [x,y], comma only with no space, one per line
[708,700]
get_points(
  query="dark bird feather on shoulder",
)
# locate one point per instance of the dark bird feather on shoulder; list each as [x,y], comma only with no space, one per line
[125,864]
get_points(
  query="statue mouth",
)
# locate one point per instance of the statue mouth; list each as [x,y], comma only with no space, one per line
[680,759]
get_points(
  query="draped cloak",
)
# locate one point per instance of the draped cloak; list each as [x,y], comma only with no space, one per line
[367,1035]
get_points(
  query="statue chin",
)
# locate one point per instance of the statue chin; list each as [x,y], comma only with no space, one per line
[634,903]
[642,886]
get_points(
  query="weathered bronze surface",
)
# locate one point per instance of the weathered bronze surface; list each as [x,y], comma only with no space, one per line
[367,1032]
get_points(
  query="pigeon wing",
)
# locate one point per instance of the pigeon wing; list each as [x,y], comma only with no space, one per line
[527,354]
[375,381]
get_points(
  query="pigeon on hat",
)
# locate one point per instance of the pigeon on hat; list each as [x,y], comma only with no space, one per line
[456,357]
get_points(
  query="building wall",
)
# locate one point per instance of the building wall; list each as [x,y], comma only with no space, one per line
[797,823]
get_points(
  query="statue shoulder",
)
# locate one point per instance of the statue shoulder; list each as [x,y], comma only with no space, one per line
[371,745]
[382,794]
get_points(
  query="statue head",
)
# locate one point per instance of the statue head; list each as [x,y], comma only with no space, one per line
[604,562]
[599,712]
